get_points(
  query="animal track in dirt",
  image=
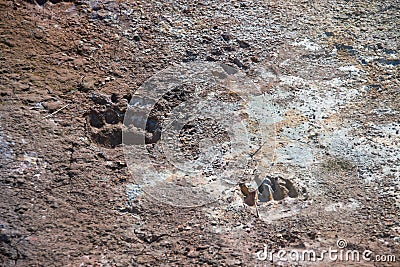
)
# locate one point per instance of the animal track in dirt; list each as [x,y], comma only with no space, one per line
[104,122]
[275,187]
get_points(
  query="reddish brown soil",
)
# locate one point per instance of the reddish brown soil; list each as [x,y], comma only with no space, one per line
[63,181]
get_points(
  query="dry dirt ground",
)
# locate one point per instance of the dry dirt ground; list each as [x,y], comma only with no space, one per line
[69,69]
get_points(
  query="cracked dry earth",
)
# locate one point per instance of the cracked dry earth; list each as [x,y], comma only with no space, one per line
[330,70]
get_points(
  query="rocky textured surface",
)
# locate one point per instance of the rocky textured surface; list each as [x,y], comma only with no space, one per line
[69,70]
